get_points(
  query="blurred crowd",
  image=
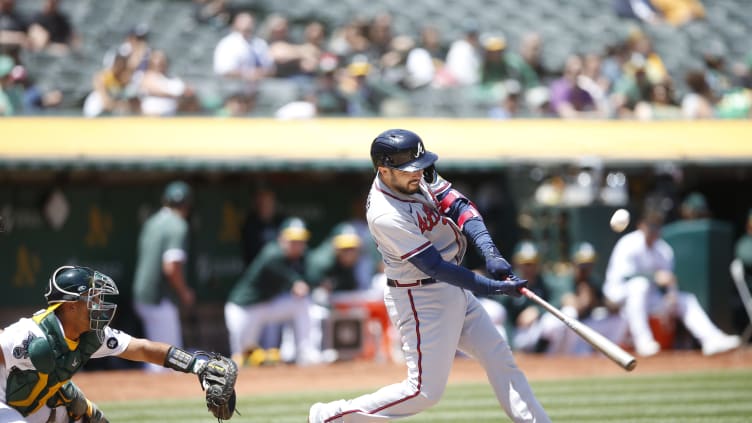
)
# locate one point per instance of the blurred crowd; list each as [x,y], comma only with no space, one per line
[365,68]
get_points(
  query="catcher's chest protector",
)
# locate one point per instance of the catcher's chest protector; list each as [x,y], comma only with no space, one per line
[54,362]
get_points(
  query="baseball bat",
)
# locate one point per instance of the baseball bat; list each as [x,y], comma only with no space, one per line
[598,341]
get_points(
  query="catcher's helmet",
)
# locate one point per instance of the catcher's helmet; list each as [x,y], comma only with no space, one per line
[77,283]
[401,149]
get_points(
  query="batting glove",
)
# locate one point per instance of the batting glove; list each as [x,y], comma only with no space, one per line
[498,267]
[510,286]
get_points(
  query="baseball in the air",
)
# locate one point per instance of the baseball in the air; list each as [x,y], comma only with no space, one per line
[620,220]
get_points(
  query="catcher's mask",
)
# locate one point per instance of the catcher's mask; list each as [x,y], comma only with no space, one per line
[77,283]
[401,149]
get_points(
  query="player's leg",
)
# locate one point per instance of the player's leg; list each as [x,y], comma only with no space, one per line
[243,328]
[481,340]
[43,415]
[429,320]
[289,308]
[10,415]
[161,323]
[636,309]
[497,313]
[698,323]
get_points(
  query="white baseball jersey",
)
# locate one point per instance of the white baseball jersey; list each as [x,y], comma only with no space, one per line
[14,341]
[433,320]
[632,257]
[404,225]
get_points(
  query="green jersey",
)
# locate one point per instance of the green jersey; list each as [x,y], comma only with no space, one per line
[271,273]
[163,238]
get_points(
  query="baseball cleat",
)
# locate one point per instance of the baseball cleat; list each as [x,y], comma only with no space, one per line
[647,348]
[721,344]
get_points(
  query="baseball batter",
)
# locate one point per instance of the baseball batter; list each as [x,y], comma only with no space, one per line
[39,355]
[420,224]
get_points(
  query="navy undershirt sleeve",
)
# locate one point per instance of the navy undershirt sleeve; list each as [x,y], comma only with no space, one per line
[430,262]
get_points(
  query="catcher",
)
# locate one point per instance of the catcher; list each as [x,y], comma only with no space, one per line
[40,355]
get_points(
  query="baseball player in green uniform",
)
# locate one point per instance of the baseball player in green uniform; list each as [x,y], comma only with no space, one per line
[159,284]
[273,289]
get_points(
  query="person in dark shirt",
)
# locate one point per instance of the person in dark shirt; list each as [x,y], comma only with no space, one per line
[51,29]
[261,223]
[13,28]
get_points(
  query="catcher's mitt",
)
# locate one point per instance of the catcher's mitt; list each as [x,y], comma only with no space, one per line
[217,377]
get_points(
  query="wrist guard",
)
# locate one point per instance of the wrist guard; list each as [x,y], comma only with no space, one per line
[182,361]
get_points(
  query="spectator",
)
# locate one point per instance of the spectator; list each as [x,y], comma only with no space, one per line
[364,96]
[592,307]
[642,10]
[642,56]
[680,12]
[135,47]
[640,279]
[273,289]
[287,55]
[111,93]
[159,281]
[424,60]
[719,79]
[314,39]
[36,99]
[510,104]
[13,28]
[430,40]
[699,102]
[661,104]
[237,105]
[212,12]
[161,94]
[51,30]
[393,65]
[529,62]
[330,100]
[464,59]
[10,92]
[495,65]
[380,37]
[242,55]
[568,99]
[350,41]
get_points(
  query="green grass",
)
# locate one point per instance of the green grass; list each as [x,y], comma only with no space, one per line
[719,396]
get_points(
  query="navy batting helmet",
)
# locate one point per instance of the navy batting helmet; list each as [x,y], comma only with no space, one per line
[401,149]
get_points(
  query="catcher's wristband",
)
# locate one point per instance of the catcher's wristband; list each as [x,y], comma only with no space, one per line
[182,360]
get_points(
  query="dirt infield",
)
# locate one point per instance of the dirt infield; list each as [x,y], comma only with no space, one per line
[134,384]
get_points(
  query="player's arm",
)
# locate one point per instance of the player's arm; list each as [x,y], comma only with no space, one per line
[429,261]
[172,267]
[463,212]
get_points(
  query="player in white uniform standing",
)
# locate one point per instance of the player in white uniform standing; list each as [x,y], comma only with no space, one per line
[419,223]
[39,355]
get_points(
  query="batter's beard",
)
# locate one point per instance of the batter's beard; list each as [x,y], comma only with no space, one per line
[408,191]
